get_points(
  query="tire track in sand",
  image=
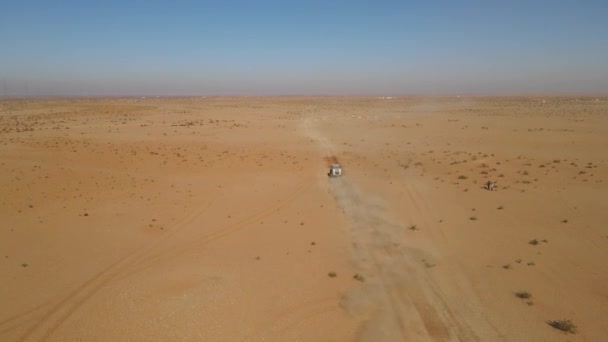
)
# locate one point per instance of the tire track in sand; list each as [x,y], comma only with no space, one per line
[77,297]
[132,263]
[226,230]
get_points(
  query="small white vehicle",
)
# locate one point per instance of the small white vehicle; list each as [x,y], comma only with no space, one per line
[335,170]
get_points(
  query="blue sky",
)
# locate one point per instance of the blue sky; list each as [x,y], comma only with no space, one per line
[302,47]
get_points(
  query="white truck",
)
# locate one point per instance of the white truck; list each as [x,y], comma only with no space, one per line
[335,170]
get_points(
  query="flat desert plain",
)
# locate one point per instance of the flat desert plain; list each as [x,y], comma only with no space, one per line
[213,219]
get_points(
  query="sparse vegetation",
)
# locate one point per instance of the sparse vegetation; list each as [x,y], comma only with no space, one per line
[564,325]
[427,263]
[242,177]
[523,294]
[359,277]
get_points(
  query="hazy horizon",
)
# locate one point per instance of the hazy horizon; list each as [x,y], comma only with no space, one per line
[205,48]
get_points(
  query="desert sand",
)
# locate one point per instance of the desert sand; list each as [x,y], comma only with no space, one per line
[213,219]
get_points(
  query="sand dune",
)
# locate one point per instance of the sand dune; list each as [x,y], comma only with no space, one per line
[213,219]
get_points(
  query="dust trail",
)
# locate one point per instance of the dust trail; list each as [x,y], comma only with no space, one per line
[398,299]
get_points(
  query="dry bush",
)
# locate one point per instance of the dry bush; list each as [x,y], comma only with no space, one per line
[564,325]
[359,277]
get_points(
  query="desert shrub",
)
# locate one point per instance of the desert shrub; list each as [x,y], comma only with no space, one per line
[332,274]
[359,277]
[523,294]
[428,264]
[533,242]
[462,177]
[564,325]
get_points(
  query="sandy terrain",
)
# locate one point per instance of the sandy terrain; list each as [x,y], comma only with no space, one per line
[213,219]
